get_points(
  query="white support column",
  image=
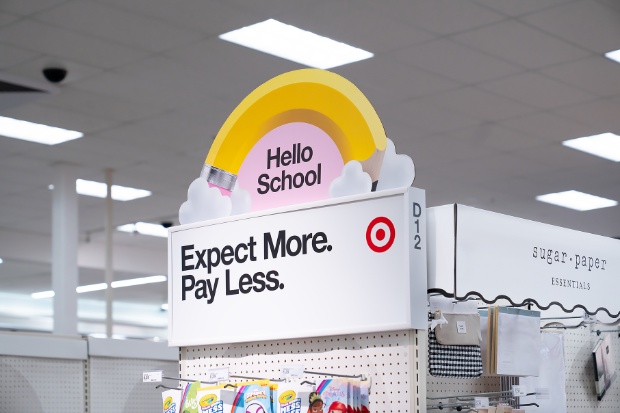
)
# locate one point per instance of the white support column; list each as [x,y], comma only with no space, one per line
[109,269]
[64,249]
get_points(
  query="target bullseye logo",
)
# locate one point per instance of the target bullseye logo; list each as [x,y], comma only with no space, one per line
[380,234]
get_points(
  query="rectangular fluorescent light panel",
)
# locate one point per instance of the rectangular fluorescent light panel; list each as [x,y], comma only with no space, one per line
[139,281]
[579,201]
[605,145]
[103,286]
[615,55]
[36,132]
[100,190]
[292,43]
[144,228]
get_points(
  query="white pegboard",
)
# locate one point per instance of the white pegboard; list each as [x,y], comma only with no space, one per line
[580,390]
[29,384]
[389,358]
[115,384]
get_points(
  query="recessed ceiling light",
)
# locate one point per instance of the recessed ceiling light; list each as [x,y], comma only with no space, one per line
[292,43]
[145,228]
[100,190]
[1,260]
[579,201]
[139,281]
[36,132]
[605,145]
[615,55]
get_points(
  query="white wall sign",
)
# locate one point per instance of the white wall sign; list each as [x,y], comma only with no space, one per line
[489,254]
[352,265]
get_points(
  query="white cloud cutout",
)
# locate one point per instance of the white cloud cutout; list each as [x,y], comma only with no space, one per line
[352,181]
[203,203]
[397,171]
[241,200]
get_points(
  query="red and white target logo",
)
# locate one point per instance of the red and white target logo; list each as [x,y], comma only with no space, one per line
[380,234]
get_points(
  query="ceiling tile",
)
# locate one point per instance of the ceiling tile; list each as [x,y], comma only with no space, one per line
[33,69]
[59,117]
[12,56]
[428,117]
[585,23]
[596,74]
[24,8]
[101,106]
[455,61]
[397,80]
[493,136]
[95,19]
[602,115]
[480,104]
[549,127]
[536,90]
[517,8]
[520,44]
[6,18]
[442,16]
[41,37]
[358,26]
[208,17]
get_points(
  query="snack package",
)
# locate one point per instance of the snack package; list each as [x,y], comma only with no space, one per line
[171,400]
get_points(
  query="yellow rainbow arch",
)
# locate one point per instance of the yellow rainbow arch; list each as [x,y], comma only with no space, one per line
[318,97]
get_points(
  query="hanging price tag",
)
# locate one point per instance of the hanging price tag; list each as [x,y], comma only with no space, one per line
[481,402]
[152,376]
[220,374]
[290,372]
[518,391]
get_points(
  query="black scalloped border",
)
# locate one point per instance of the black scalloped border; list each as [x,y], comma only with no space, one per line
[525,302]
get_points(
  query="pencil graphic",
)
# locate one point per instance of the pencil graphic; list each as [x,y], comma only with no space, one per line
[318,97]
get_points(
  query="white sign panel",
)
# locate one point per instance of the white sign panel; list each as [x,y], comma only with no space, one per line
[525,260]
[338,267]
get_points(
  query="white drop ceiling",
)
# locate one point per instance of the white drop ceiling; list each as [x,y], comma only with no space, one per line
[480,94]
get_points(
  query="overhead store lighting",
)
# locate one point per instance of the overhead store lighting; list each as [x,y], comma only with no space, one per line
[292,43]
[36,132]
[579,201]
[102,286]
[615,55]
[144,228]
[139,281]
[100,190]
[1,260]
[605,145]
[164,307]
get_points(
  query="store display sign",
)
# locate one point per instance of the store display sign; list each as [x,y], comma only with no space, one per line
[345,266]
[498,255]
